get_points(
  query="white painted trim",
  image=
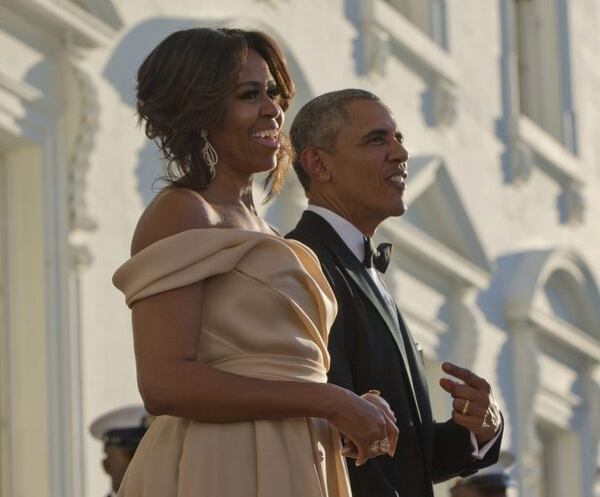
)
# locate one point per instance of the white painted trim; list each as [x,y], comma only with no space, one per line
[410,38]
[571,337]
[430,171]
[19,89]
[21,113]
[532,271]
[554,408]
[562,165]
[6,485]
[423,171]
[63,15]
[437,254]
[63,371]
[25,121]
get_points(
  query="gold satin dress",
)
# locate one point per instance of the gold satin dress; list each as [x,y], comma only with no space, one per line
[266,312]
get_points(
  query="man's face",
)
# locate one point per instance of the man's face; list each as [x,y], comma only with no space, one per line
[368,166]
[115,464]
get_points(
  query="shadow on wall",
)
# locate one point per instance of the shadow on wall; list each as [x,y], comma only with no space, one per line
[491,302]
[148,171]
[121,70]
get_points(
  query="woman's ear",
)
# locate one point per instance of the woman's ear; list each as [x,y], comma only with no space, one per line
[313,163]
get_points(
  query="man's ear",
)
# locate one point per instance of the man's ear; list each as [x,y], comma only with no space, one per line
[313,164]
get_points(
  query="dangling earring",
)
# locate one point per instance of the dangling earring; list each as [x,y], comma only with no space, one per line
[209,154]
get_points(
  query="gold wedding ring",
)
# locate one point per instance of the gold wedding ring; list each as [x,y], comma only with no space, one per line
[465,409]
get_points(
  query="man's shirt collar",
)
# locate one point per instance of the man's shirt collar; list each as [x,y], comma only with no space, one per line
[349,233]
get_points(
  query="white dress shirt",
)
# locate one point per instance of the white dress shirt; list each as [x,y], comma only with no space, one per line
[354,240]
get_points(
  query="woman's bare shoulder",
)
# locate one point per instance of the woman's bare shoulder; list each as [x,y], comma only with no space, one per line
[172,211]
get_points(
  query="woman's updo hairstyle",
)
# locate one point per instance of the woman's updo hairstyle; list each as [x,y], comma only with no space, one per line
[181,87]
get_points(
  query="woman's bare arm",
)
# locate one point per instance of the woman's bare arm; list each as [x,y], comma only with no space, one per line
[166,333]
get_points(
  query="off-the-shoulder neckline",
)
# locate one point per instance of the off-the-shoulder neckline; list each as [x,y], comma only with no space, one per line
[242,230]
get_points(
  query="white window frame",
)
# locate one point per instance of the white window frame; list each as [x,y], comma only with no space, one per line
[386,33]
[34,133]
[428,15]
[545,89]
[554,367]
[530,145]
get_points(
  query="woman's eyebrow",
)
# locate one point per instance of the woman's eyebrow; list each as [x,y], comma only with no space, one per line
[256,84]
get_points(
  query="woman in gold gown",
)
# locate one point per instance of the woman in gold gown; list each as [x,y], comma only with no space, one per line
[230,320]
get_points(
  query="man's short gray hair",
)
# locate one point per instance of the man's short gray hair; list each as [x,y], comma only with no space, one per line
[319,122]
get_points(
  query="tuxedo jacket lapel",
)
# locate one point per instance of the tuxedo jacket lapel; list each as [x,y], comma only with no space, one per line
[328,237]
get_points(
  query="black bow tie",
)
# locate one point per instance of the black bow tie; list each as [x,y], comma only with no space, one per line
[377,257]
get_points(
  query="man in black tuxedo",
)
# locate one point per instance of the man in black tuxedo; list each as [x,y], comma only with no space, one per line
[351,161]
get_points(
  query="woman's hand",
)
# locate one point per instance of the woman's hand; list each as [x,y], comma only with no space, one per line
[365,423]
[380,447]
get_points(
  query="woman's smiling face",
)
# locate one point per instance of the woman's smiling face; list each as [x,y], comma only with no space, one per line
[246,137]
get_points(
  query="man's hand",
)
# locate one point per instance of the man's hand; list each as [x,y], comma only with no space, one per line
[474,406]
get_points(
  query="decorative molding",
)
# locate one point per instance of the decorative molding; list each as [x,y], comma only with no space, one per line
[589,413]
[573,202]
[521,163]
[444,102]
[527,383]
[19,89]
[531,146]
[81,257]
[567,334]
[104,10]
[532,270]
[555,407]
[531,324]
[21,113]
[377,49]
[436,254]
[82,145]
[386,32]
[63,16]
[467,264]
[464,267]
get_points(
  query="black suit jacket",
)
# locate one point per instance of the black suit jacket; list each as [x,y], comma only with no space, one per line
[368,351]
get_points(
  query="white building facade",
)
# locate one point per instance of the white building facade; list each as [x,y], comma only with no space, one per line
[496,262]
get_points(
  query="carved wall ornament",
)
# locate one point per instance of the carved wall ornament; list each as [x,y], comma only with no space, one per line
[444,102]
[521,163]
[377,49]
[85,126]
[573,203]
[590,415]
[526,370]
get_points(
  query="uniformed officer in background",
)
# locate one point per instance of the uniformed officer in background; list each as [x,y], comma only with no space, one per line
[121,431]
[493,481]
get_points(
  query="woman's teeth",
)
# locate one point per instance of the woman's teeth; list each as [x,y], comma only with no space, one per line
[267,137]
[272,133]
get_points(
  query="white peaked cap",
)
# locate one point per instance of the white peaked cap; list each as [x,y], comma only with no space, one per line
[122,418]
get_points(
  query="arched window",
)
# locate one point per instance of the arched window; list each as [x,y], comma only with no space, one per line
[553,310]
